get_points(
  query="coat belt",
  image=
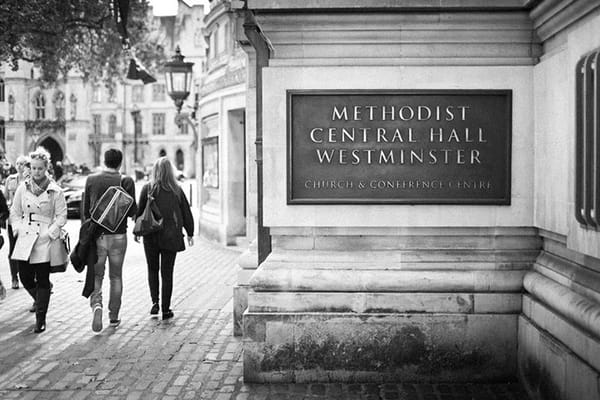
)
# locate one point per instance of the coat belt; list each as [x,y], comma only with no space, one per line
[37,218]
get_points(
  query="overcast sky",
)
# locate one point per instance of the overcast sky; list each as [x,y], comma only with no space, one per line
[169,7]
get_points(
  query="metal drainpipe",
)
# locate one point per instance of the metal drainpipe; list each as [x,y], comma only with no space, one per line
[263,52]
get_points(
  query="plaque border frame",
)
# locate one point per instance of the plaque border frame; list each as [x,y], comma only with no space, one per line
[504,201]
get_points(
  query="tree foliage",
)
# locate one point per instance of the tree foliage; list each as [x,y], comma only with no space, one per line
[63,35]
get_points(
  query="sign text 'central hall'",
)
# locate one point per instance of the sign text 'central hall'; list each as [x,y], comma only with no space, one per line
[404,146]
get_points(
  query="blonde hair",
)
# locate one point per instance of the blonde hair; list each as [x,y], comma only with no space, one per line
[40,154]
[22,159]
[162,175]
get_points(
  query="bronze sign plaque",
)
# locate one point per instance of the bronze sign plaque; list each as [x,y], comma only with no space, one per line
[399,146]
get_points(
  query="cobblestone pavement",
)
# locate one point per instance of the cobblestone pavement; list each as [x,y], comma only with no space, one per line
[193,356]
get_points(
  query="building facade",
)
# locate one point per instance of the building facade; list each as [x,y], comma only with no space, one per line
[223,140]
[390,261]
[78,120]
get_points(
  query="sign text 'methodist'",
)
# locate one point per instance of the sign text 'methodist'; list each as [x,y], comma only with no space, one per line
[398,135]
[399,146]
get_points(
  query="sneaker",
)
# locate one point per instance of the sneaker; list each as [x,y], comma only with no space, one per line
[115,322]
[154,309]
[168,314]
[97,320]
[33,307]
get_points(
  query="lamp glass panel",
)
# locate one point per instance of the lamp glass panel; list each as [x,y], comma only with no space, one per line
[169,83]
[179,81]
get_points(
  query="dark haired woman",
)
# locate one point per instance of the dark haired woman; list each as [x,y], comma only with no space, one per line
[161,247]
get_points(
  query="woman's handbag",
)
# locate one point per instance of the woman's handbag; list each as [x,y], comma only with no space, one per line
[59,252]
[150,220]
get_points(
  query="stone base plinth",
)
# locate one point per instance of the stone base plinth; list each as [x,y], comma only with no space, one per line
[402,304]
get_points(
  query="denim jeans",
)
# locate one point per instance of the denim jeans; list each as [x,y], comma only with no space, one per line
[112,247]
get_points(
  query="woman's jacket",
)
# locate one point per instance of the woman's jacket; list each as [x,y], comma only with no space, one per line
[176,214]
[36,220]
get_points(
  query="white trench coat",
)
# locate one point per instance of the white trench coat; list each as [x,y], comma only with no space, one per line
[36,220]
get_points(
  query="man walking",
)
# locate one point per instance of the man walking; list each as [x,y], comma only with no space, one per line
[111,245]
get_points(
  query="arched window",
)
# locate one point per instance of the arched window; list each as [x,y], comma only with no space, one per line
[112,125]
[73,101]
[40,106]
[11,107]
[1,90]
[179,159]
[59,105]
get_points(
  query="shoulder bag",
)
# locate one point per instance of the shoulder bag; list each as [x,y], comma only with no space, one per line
[112,208]
[150,220]
[59,248]
[59,252]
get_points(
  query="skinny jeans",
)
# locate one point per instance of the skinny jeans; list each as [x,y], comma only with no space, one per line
[163,261]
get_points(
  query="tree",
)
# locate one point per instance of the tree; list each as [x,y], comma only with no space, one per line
[63,35]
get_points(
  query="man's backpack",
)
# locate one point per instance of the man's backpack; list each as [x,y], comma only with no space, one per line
[112,208]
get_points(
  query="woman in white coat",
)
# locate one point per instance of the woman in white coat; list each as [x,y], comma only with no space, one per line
[37,213]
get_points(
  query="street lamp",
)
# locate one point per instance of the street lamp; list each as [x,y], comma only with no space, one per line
[178,76]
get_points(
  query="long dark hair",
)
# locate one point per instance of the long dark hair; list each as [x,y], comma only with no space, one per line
[162,175]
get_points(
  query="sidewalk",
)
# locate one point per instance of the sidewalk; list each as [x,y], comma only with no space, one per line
[193,356]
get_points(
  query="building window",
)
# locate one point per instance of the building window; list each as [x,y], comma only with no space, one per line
[40,106]
[158,124]
[2,134]
[137,94]
[158,92]
[97,94]
[111,91]
[59,106]
[73,101]
[97,124]
[224,38]
[211,45]
[198,38]
[587,151]
[217,40]
[112,125]
[1,90]
[184,128]
[11,107]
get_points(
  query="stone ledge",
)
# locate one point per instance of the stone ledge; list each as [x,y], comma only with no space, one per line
[365,303]
[356,280]
[278,5]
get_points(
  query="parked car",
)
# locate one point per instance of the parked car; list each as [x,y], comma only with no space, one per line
[73,188]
